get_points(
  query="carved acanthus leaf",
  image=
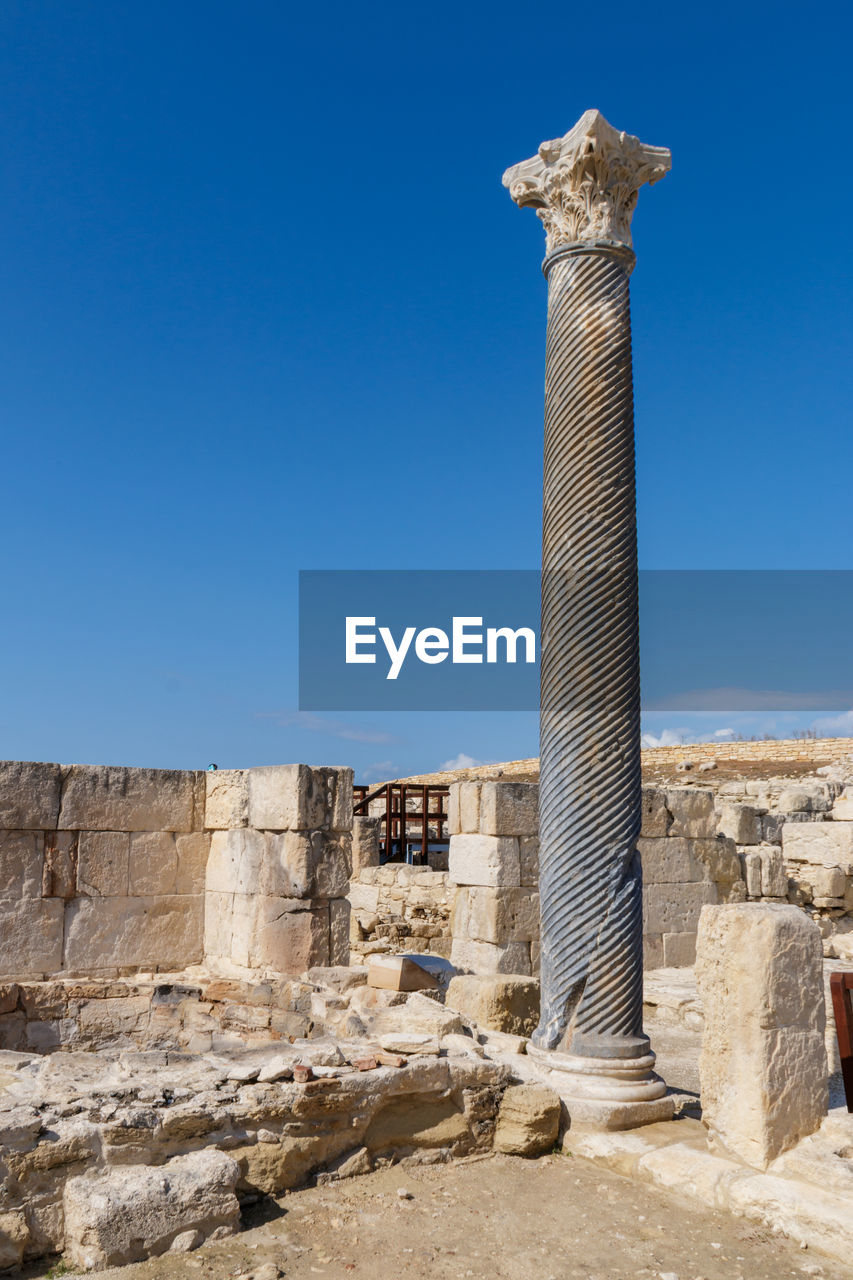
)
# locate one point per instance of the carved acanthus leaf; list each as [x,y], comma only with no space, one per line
[584,186]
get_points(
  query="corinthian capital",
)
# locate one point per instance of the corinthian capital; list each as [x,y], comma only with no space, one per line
[584,186]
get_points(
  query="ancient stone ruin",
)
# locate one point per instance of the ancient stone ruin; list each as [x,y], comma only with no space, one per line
[183,1031]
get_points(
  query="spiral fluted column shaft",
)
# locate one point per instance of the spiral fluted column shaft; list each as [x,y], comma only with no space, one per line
[589,820]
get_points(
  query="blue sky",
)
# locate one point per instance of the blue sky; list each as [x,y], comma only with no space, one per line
[266,306]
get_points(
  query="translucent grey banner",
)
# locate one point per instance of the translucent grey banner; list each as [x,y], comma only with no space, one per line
[468,640]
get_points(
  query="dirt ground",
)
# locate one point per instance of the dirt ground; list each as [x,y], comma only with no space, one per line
[556,1218]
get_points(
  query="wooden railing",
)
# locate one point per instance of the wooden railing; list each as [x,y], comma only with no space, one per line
[427,823]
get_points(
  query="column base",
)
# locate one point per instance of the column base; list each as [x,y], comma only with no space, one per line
[605,1093]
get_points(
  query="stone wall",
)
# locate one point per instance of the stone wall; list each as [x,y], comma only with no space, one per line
[398,908]
[778,840]
[809,749]
[279,868]
[101,869]
[109,872]
[494,864]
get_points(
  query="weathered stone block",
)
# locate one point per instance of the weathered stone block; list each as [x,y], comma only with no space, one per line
[669,860]
[21,861]
[826,882]
[774,877]
[509,808]
[192,851]
[763,1065]
[752,872]
[656,816]
[339,931]
[740,822]
[496,915]
[59,872]
[124,1215]
[153,863]
[218,910]
[675,908]
[528,853]
[692,812]
[106,798]
[721,863]
[103,858]
[226,802]
[290,936]
[303,864]
[30,936]
[29,795]
[528,1120]
[804,798]
[364,897]
[294,797]
[488,957]
[365,843]
[500,1002]
[14,1238]
[828,844]
[235,861]
[679,950]
[144,933]
[652,951]
[485,860]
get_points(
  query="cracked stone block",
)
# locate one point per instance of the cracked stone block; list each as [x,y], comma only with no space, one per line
[656,816]
[226,802]
[124,1215]
[669,860]
[471,956]
[102,863]
[295,797]
[763,1067]
[692,812]
[740,822]
[485,914]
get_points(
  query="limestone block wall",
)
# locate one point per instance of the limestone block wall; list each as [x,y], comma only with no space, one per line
[279,869]
[101,869]
[494,864]
[398,908]
[794,838]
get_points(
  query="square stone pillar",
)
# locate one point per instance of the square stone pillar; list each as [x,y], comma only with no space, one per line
[763,1067]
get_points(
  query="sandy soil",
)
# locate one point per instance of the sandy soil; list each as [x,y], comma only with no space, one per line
[557,1218]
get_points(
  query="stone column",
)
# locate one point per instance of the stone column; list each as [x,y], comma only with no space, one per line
[584,188]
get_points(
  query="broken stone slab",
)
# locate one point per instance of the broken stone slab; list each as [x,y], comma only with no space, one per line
[124,1215]
[410,1043]
[499,1002]
[528,1120]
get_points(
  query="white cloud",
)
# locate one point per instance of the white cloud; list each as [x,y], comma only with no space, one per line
[333,728]
[381,771]
[666,738]
[461,762]
[719,734]
[835,726]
